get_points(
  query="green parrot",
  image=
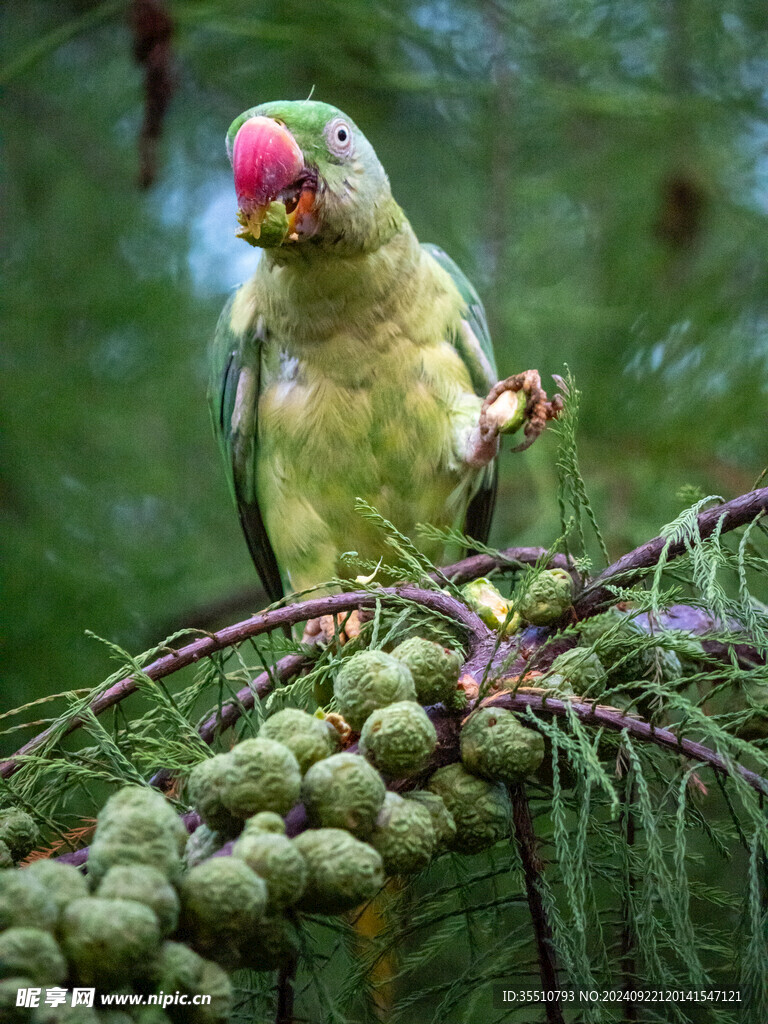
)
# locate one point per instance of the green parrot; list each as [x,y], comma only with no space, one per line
[354,363]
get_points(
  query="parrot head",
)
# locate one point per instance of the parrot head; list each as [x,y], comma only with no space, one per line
[307,179]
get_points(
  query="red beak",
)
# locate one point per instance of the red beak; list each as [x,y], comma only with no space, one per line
[265,159]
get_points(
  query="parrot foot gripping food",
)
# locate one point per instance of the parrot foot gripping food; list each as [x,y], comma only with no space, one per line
[517,400]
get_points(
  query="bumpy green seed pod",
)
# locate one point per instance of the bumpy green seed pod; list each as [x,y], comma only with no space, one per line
[33,953]
[594,629]
[486,601]
[181,969]
[109,942]
[343,791]
[435,669]
[274,941]
[62,882]
[137,825]
[482,810]
[19,832]
[577,671]
[9,1011]
[202,844]
[265,821]
[206,785]
[343,872]
[310,739]
[404,835]
[24,902]
[398,739]
[549,594]
[277,860]
[442,820]
[221,901]
[370,680]
[496,746]
[264,776]
[6,860]
[146,885]
[625,664]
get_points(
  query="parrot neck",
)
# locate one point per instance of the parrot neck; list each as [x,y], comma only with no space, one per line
[343,310]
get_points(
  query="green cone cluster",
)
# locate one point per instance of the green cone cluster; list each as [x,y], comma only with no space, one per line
[160,909]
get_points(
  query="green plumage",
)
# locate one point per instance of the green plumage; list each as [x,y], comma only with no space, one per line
[353,363]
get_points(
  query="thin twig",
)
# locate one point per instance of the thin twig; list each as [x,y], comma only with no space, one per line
[264,622]
[228,714]
[631,567]
[628,965]
[617,721]
[533,872]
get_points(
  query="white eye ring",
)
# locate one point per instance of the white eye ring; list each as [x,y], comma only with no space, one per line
[338,135]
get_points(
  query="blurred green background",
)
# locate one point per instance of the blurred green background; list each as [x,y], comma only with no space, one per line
[600,172]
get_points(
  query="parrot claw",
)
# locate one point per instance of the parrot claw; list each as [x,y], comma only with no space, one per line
[537,412]
[325,628]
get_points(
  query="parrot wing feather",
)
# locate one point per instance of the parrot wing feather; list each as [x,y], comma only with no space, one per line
[233,398]
[474,345]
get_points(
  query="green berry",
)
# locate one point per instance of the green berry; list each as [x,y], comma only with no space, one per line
[19,832]
[370,680]
[343,791]
[221,902]
[265,821]
[342,871]
[25,902]
[577,671]
[435,669]
[549,594]
[310,739]
[137,825]
[263,776]
[181,969]
[33,953]
[276,859]
[593,629]
[109,942]
[496,746]
[488,603]
[206,785]
[398,739]
[482,810]
[9,1012]
[624,661]
[404,835]
[442,820]
[63,882]
[146,885]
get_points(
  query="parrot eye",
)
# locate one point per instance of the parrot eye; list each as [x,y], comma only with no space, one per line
[338,135]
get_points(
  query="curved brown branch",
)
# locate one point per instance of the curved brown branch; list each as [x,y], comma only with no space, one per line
[264,622]
[630,567]
[617,721]
[510,558]
[729,515]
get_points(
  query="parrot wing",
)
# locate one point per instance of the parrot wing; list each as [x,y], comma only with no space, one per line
[233,398]
[475,347]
